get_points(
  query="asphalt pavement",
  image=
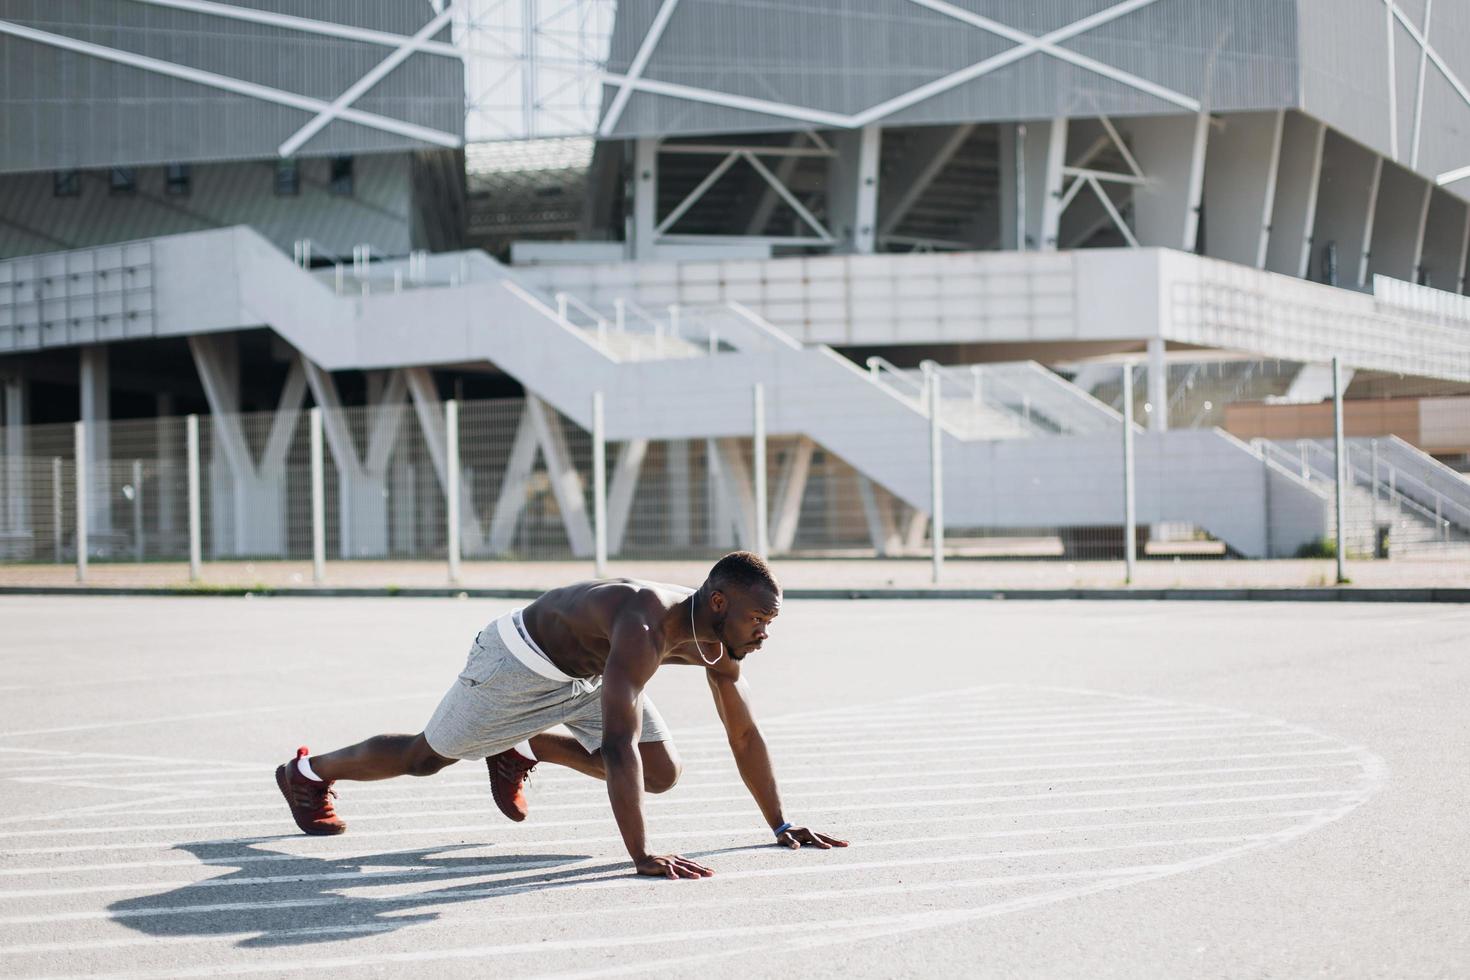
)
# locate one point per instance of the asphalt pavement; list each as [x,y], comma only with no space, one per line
[1031,789]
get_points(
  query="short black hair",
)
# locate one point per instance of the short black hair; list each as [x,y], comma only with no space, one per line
[742,570]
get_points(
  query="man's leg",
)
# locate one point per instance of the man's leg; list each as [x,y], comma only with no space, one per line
[661,765]
[306,782]
[381,757]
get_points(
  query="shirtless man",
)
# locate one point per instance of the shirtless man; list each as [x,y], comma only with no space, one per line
[580,656]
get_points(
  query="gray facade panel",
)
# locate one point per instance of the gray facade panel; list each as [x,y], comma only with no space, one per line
[848,56]
[63,109]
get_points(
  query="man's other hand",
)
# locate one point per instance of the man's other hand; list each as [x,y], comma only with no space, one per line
[797,836]
[671,866]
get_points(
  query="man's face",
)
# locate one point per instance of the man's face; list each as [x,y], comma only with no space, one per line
[742,619]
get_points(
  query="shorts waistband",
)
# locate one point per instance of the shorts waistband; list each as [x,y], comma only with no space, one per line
[523,649]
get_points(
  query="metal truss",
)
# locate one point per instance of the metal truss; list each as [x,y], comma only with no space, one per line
[1025,45]
[751,155]
[324,112]
[533,68]
[1084,175]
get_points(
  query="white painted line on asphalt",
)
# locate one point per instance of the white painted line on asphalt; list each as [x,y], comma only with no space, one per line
[175,828]
[210,715]
[623,879]
[664,801]
[499,827]
[319,855]
[562,780]
[175,760]
[458,921]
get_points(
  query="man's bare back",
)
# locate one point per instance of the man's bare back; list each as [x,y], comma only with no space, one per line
[573,625]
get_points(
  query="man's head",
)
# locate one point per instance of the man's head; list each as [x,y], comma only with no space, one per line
[743,598]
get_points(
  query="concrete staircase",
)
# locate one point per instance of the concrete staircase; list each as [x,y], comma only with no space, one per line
[462,308]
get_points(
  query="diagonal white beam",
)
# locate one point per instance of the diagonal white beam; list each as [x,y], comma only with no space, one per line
[1112,211]
[240,87]
[304,24]
[635,70]
[1393,83]
[1419,95]
[786,195]
[1451,176]
[711,97]
[361,86]
[698,192]
[1047,43]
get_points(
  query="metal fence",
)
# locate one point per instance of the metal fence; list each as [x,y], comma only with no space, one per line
[976,464]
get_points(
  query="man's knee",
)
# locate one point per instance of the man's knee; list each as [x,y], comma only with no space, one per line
[663,779]
[424,761]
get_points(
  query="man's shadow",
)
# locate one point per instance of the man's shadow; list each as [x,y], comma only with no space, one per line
[289,899]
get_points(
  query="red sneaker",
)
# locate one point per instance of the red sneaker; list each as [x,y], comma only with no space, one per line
[508,772]
[309,799]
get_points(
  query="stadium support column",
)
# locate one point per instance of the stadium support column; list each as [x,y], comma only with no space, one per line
[249,498]
[362,481]
[1158,386]
[1051,201]
[17,498]
[1346,198]
[644,194]
[1400,217]
[854,199]
[1024,167]
[1289,251]
[95,391]
[1240,184]
[1171,151]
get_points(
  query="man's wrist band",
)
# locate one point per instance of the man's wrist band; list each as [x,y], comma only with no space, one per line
[782,829]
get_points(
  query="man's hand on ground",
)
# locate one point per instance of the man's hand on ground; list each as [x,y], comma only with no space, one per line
[671,866]
[797,836]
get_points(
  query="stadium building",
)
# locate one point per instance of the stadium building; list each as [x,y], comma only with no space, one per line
[811,222]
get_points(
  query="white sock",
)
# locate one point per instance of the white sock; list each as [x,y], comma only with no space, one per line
[524,748]
[304,764]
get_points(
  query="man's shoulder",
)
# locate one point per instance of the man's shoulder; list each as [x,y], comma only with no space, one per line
[637,597]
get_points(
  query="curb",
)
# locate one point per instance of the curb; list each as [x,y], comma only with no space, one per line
[1314,594]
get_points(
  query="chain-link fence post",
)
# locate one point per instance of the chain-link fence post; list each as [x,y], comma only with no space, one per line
[58,519]
[758,407]
[81,475]
[138,549]
[191,463]
[318,499]
[936,473]
[1339,461]
[451,485]
[599,486]
[1130,512]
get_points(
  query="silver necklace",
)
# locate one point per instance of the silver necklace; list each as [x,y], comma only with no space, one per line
[695,635]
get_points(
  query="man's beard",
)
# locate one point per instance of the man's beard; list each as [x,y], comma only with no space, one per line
[718,623]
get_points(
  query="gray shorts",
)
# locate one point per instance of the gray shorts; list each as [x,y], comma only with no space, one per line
[508,691]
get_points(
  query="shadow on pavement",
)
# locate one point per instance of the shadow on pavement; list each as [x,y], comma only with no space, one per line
[289,899]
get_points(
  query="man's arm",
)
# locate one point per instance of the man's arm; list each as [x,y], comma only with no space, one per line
[630,664]
[732,701]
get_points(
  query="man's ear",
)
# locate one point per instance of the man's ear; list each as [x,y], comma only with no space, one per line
[717,601]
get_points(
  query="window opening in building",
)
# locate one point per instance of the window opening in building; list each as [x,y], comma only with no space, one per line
[122,180]
[341,179]
[288,178]
[176,180]
[66,183]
